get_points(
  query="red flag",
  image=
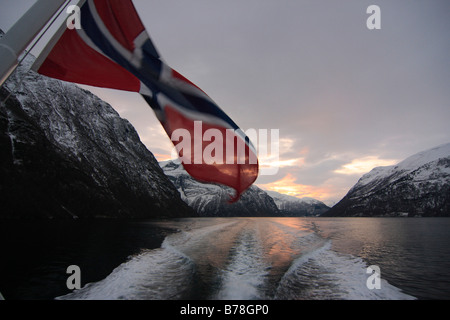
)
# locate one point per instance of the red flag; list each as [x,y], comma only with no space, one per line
[113,50]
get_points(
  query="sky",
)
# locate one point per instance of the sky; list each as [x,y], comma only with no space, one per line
[344,98]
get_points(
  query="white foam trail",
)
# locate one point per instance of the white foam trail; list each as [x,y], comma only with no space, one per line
[164,273]
[153,274]
[244,277]
[267,259]
[325,274]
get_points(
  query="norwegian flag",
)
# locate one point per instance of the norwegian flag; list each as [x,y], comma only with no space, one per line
[113,50]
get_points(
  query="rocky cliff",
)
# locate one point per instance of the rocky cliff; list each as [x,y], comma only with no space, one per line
[67,153]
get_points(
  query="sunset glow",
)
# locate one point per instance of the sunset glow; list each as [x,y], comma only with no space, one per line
[364,165]
[288,186]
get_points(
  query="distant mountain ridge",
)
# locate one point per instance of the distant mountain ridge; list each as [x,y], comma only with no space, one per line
[211,200]
[68,154]
[291,206]
[417,186]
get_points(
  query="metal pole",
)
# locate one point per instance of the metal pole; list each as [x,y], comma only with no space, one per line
[16,40]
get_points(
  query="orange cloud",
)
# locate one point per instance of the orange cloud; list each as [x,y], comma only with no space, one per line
[364,165]
[162,157]
[287,185]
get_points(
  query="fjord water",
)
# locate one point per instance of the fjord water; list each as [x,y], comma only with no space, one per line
[231,258]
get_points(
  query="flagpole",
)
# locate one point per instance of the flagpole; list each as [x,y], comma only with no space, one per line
[16,40]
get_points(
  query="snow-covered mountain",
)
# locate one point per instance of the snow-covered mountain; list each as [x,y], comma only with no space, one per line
[417,186]
[67,153]
[211,200]
[298,207]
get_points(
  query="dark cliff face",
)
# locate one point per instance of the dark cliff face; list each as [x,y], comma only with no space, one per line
[211,200]
[66,153]
[418,186]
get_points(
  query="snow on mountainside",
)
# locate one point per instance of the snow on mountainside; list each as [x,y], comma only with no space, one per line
[211,199]
[298,207]
[409,165]
[67,153]
[417,186]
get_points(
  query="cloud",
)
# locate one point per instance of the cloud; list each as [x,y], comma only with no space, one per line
[287,185]
[364,165]
[344,99]
[155,137]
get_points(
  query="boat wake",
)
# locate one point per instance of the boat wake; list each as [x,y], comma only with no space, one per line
[240,259]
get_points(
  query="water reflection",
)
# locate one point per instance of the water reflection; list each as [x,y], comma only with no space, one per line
[413,254]
[243,258]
